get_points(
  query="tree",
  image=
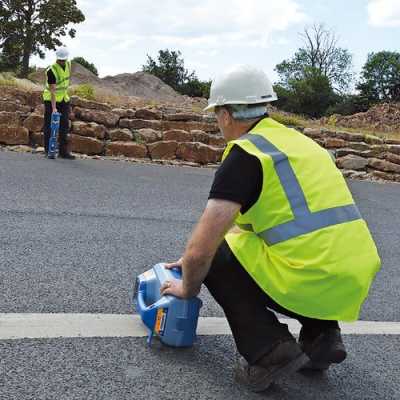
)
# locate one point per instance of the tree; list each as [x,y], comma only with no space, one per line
[88,65]
[311,95]
[36,25]
[11,54]
[380,77]
[170,68]
[320,51]
[195,87]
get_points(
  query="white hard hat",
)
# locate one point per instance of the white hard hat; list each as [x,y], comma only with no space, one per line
[241,85]
[62,53]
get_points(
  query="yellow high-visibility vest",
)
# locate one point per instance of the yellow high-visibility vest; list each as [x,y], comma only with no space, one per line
[62,82]
[304,241]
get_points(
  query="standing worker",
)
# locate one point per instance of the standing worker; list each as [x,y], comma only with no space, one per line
[56,99]
[280,232]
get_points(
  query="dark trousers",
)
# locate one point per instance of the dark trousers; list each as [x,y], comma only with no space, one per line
[255,328]
[64,109]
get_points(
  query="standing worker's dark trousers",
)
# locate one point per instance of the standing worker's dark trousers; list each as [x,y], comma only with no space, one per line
[256,329]
[64,109]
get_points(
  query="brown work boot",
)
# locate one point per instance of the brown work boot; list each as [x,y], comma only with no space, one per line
[326,349]
[67,156]
[285,359]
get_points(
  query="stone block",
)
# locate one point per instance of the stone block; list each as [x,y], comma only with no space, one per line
[140,124]
[199,153]
[89,104]
[106,118]
[14,135]
[146,114]
[120,135]
[9,118]
[89,129]
[148,135]
[383,165]
[352,162]
[34,123]
[165,150]
[85,145]
[126,149]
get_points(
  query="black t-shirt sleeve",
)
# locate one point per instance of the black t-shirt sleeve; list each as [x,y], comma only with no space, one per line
[238,179]
[51,79]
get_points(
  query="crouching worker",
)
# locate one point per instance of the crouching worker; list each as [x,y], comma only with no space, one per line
[56,99]
[280,233]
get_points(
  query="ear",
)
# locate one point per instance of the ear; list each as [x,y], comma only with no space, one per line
[226,117]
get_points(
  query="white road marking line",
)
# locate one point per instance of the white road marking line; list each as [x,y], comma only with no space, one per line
[46,326]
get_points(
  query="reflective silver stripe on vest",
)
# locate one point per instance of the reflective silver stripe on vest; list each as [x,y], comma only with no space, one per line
[310,223]
[304,220]
[285,172]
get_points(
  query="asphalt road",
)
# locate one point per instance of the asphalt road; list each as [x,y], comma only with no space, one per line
[73,236]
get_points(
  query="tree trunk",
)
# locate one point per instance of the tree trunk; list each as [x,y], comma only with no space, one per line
[26,58]
[28,40]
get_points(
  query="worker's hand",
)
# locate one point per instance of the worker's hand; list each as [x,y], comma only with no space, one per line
[55,111]
[176,264]
[173,287]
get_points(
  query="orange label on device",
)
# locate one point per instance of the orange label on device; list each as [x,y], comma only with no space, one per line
[161,319]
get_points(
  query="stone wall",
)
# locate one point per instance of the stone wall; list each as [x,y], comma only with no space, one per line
[99,130]
[170,135]
[361,156]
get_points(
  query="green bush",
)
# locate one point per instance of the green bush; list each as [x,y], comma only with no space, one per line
[84,91]
[311,95]
[332,120]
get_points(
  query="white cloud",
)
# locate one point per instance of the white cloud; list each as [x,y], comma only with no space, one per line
[384,13]
[124,31]
[192,23]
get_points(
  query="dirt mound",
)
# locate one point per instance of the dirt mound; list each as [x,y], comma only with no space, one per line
[138,84]
[383,117]
[81,75]
[141,84]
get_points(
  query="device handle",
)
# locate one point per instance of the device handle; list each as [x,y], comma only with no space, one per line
[55,117]
[164,274]
[141,292]
[147,313]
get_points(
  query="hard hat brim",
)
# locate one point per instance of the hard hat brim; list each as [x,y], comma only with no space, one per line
[62,58]
[211,107]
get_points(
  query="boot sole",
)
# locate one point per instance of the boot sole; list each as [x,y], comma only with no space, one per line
[265,382]
[335,357]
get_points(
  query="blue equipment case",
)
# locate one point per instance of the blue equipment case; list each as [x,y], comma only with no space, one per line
[173,320]
[53,142]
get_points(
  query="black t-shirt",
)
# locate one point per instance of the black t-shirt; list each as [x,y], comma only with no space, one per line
[51,79]
[238,179]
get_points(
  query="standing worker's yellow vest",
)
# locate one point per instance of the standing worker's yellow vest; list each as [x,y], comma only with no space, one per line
[304,241]
[62,82]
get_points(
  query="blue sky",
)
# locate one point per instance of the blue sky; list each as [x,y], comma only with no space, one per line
[215,35]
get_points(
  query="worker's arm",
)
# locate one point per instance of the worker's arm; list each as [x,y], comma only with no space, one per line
[216,220]
[53,98]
